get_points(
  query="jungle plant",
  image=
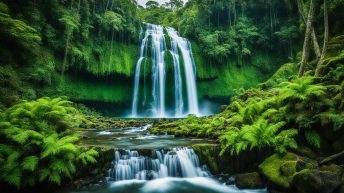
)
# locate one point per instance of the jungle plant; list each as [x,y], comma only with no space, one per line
[260,135]
[38,143]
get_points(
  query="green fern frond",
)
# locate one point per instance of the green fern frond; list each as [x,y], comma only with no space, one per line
[313,138]
[43,174]
[54,177]
[13,177]
[30,163]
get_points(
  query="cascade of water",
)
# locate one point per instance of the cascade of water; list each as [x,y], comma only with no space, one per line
[177,162]
[178,88]
[158,69]
[158,49]
[138,73]
[190,70]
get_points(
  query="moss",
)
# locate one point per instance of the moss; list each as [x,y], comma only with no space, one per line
[321,180]
[208,154]
[81,89]
[280,169]
[231,79]
[284,73]
[249,181]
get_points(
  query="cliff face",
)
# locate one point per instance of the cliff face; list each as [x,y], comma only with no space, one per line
[88,50]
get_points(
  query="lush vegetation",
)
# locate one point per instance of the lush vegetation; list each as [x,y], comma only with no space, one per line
[39,142]
[88,49]
[45,42]
[285,111]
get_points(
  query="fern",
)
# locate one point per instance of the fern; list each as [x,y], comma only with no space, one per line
[261,134]
[313,138]
[30,163]
[36,132]
[88,156]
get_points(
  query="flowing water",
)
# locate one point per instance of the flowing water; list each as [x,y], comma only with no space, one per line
[180,49]
[162,169]
[176,162]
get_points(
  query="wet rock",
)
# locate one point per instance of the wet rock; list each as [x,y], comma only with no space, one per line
[323,180]
[225,178]
[249,181]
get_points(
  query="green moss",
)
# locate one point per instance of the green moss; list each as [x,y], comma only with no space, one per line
[231,79]
[208,154]
[284,73]
[280,169]
[96,57]
[81,89]
[271,168]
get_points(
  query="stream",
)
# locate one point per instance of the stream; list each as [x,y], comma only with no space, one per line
[169,166]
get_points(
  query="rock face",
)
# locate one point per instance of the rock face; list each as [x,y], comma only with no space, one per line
[249,181]
[294,173]
[323,180]
[280,169]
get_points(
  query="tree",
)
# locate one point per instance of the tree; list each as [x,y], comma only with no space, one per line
[112,21]
[288,34]
[175,4]
[326,34]
[71,21]
[152,4]
[305,50]
[314,36]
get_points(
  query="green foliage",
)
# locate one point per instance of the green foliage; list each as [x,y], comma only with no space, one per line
[261,119]
[38,143]
[17,31]
[112,21]
[313,138]
[259,135]
[301,89]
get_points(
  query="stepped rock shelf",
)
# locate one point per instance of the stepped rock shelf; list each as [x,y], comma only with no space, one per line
[153,164]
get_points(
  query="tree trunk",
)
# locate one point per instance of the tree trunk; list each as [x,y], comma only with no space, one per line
[235,13]
[65,58]
[332,157]
[305,50]
[229,16]
[326,34]
[316,46]
[110,59]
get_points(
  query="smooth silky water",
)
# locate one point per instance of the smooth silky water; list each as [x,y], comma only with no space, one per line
[170,166]
[183,61]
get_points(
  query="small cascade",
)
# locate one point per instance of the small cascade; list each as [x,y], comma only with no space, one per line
[154,39]
[177,162]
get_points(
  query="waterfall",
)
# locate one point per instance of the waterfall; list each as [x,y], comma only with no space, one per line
[138,73]
[158,108]
[158,69]
[177,162]
[190,69]
[178,92]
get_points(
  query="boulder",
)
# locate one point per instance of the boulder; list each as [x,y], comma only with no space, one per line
[249,181]
[280,169]
[320,180]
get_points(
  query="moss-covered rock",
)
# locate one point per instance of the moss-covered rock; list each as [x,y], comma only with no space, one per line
[209,154]
[323,180]
[280,169]
[249,181]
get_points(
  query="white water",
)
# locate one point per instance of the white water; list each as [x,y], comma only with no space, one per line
[158,108]
[177,162]
[189,67]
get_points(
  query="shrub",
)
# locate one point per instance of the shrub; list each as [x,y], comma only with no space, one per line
[38,143]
